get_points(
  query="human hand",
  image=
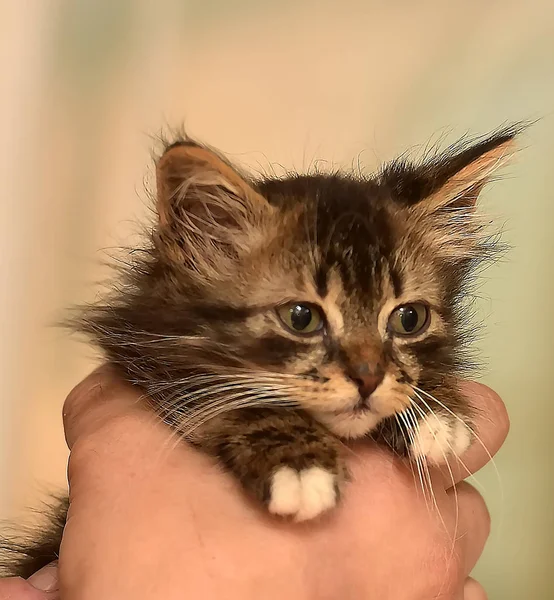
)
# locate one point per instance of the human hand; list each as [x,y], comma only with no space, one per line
[151,518]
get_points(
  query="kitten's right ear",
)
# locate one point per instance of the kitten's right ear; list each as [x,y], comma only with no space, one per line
[207,210]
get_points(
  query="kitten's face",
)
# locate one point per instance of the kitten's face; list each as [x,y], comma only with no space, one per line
[342,300]
[333,293]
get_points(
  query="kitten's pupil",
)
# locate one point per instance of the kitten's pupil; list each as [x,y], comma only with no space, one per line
[409,318]
[300,317]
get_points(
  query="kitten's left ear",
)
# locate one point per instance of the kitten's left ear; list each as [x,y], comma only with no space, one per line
[454,178]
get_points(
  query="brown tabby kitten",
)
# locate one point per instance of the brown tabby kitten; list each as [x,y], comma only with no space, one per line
[267,320]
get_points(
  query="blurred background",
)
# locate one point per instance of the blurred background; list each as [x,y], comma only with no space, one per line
[86,83]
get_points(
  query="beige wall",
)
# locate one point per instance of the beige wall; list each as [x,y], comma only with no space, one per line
[278,83]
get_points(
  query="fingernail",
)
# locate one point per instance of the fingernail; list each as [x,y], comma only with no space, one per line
[46,579]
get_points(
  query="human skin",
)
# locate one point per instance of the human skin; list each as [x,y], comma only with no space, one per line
[151,518]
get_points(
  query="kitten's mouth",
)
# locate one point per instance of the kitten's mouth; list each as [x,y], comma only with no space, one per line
[363,406]
[353,421]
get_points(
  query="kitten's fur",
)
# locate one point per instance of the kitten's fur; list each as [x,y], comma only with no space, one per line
[194,322]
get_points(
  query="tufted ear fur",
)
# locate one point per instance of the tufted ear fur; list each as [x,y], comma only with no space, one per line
[440,194]
[208,213]
[463,176]
[453,178]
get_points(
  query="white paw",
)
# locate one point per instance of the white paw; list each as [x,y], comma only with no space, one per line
[302,494]
[439,437]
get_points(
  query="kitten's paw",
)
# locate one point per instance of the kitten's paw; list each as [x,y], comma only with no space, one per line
[303,494]
[439,437]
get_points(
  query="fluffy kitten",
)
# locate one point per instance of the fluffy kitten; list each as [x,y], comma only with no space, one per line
[269,320]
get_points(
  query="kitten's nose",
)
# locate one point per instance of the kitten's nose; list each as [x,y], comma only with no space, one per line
[366,379]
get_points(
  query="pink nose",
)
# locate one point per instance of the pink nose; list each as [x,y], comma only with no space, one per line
[368,384]
[367,380]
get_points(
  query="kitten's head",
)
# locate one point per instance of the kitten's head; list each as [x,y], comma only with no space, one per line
[339,294]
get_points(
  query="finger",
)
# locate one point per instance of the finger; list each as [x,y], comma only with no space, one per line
[491,426]
[131,482]
[473,590]
[473,526]
[46,579]
[15,588]
[99,398]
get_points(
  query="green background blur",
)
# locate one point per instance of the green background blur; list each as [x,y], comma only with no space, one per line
[84,84]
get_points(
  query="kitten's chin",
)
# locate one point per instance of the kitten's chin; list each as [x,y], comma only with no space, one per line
[350,425]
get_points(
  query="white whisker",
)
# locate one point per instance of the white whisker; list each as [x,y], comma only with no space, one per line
[458,459]
[407,445]
[455,534]
[410,433]
[409,412]
[473,433]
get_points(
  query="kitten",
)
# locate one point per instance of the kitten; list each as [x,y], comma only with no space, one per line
[269,320]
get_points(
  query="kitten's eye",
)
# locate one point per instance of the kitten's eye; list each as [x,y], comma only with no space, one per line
[409,319]
[301,318]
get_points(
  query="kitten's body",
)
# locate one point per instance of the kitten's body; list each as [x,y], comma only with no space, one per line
[269,319]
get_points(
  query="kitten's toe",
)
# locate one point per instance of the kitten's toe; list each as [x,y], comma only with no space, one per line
[439,437]
[303,494]
[318,492]
[285,496]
